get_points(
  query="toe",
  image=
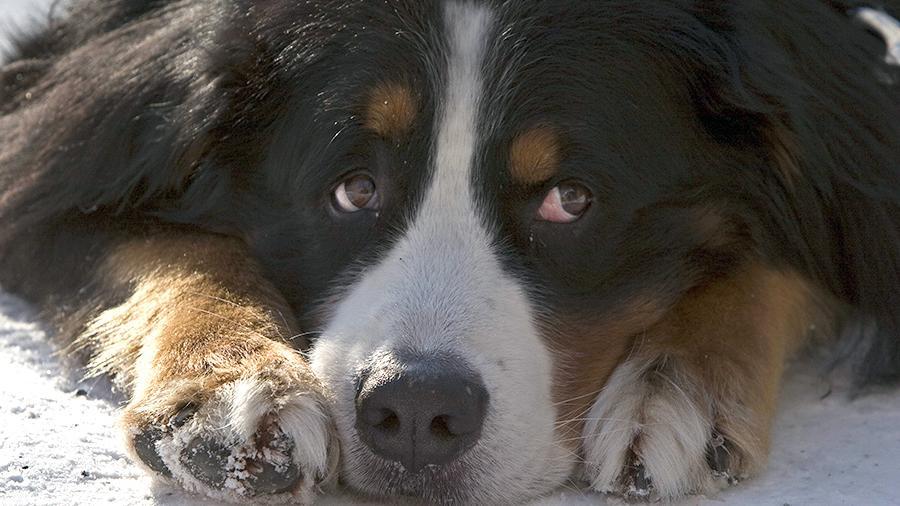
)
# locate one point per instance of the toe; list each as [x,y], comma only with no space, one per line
[265,469]
[207,461]
[145,447]
[274,479]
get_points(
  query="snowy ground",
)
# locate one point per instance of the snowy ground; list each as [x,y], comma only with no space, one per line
[59,445]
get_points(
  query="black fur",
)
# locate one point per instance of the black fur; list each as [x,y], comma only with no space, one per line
[120,116]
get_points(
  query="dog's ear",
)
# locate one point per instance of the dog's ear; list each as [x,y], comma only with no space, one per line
[809,90]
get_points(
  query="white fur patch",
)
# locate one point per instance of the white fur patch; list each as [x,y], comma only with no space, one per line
[441,290]
[652,415]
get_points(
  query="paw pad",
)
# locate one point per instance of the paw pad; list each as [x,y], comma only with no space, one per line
[145,447]
[259,466]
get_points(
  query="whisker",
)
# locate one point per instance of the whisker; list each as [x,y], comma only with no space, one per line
[582,396]
[218,299]
[593,419]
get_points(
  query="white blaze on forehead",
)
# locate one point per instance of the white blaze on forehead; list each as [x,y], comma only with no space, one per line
[446,249]
[467,28]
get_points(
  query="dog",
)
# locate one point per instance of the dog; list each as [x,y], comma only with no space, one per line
[454,251]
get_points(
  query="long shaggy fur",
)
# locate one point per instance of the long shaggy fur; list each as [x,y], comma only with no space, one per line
[122,121]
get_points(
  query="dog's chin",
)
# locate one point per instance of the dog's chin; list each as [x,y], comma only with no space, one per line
[372,476]
[469,480]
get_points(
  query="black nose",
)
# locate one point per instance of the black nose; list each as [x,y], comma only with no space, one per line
[429,415]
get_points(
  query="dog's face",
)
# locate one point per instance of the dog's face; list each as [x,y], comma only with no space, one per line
[470,201]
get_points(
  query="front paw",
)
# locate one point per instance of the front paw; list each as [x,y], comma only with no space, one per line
[260,435]
[657,433]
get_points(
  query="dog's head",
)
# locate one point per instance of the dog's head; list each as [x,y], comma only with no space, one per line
[479,207]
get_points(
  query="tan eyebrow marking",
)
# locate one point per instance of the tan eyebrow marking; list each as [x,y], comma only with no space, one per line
[391,110]
[535,155]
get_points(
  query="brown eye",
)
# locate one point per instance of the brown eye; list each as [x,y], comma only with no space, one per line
[356,193]
[565,203]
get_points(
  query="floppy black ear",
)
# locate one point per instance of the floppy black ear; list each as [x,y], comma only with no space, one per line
[809,88]
[111,120]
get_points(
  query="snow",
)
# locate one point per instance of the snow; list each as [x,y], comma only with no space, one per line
[59,443]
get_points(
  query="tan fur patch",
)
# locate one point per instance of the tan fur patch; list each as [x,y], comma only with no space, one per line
[534,155]
[199,310]
[391,110]
[734,337]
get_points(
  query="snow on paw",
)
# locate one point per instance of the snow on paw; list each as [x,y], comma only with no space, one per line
[652,435]
[244,441]
[261,466]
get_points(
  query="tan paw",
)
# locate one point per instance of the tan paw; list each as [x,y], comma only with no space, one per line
[250,437]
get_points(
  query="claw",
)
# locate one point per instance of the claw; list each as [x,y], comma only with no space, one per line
[641,481]
[636,483]
[184,414]
[717,455]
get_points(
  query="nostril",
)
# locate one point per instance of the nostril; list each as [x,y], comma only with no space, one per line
[441,429]
[383,418]
[390,423]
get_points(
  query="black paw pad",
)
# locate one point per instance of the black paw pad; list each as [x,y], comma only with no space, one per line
[273,475]
[641,481]
[274,479]
[213,463]
[145,447]
[207,461]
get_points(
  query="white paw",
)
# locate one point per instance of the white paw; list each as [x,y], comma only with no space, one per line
[650,435]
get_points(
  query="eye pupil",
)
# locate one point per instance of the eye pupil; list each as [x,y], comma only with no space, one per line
[360,190]
[575,198]
[356,193]
[565,203]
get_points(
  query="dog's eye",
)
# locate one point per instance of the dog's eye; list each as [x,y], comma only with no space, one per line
[356,193]
[565,203]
